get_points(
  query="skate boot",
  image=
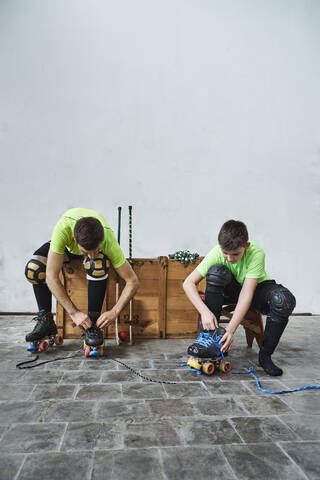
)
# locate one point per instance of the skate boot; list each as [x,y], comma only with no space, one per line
[93,337]
[206,353]
[45,328]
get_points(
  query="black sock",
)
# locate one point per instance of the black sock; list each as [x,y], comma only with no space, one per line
[43,297]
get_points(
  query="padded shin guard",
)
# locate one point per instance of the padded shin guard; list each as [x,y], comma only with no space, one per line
[272,334]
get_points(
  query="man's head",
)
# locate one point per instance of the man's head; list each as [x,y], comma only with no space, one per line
[233,240]
[89,234]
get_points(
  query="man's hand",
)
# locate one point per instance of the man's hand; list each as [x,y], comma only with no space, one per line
[82,320]
[228,339]
[106,318]
[209,321]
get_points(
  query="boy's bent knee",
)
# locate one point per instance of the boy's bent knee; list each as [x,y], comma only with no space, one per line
[282,303]
[218,277]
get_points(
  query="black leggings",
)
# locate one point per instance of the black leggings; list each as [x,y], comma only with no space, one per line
[96,288]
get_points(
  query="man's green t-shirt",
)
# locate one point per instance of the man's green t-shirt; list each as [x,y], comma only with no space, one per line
[62,236]
[251,265]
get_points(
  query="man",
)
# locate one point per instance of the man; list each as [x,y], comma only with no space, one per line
[79,233]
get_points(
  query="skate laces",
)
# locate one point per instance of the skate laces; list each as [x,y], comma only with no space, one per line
[207,340]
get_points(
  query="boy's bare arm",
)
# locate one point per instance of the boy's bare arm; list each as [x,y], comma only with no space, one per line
[54,265]
[243,304]
[209,321]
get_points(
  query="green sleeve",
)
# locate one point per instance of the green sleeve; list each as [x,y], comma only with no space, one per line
[256,267]
[59,238]
[209,260]
[113,251]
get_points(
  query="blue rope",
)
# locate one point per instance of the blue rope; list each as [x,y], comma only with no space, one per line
[250,371]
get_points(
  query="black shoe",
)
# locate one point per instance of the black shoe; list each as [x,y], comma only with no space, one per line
[45,327]
[93,335]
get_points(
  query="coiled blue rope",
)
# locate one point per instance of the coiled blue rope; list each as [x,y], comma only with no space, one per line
[250,371]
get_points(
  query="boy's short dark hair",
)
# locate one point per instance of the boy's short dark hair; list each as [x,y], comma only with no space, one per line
[233,234]
[88,232]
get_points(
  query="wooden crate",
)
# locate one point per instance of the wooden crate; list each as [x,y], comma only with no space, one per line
[160,307]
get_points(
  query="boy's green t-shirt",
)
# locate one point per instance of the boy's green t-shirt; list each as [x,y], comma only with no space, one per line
[251,265]
[62,236]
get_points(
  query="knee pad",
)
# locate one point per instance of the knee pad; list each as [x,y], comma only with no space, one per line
[218,277]
[35,271]
[97,268]
[282,302]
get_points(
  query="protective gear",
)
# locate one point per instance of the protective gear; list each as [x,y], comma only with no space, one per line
[281,302]
[96,268]
[218,277]
[272,334]
[35,271]
[44,327]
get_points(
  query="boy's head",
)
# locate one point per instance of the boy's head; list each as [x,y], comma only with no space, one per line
[233,240]
[89,234]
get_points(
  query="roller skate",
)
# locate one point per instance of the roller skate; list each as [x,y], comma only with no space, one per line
[44,333]
[93,343]
[205,353]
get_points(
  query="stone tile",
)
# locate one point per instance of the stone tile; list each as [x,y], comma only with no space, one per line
[3,429]
[21,412]
[69,411]
[9,465]
[187,390]
[210,432]
[57,392]
[15,392]
[120,377]
[226,388]
[98,364]
[165,364]
[271,385]
[306,426]
[56,466]
[133,465]
[262,429]
[39,377]
[161,375]
[76,377]
[306,455]
[222,406]
[93,436]
[187,375]
[145,391]
[12,377]
[307,402]
[135,364]
[32,438]
[122,409]
[66,365]
[190,463]
[169,408]
[151,435]
[262,461]
[99,392]
[259,406]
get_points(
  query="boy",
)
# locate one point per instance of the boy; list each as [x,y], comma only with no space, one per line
[85,234]
[235,273]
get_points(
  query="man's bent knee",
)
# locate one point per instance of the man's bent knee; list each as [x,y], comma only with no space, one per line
[218,277]
[35,270]
[97,268]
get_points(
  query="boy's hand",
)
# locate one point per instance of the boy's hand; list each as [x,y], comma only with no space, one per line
[209,321]
[228,341]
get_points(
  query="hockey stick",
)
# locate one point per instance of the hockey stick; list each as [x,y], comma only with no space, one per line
[130,261]
[117,278]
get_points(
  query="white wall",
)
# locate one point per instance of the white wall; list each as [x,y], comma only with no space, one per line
[193,111]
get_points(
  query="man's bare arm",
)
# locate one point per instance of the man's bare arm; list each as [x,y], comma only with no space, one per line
[131,286]
[54,265]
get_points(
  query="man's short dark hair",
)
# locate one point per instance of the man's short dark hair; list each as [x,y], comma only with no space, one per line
[233,234]
[88,232]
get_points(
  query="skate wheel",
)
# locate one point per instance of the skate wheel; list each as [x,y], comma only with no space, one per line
[32,348]
[94,353]
[208,368]
[43,346]
[59,340]
[193,363]
[225,367]
[87,351]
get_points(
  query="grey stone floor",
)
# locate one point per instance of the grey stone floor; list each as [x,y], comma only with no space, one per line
[94,419]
